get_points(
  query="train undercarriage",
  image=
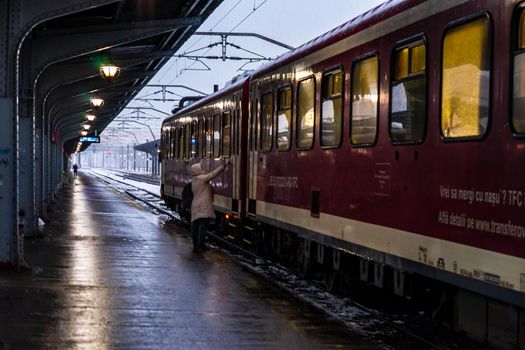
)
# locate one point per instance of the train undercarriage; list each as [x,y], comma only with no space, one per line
[373,283]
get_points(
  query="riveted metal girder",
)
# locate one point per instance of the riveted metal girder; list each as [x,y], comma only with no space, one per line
[51,49]
[64,94]
[60,75]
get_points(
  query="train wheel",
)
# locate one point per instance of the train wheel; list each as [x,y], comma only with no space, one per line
[332,280]
[304,265]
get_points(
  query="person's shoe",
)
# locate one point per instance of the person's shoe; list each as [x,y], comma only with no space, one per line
[197,250]
[204,247]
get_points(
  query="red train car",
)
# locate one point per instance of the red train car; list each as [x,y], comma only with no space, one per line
[396,141]
[204,131]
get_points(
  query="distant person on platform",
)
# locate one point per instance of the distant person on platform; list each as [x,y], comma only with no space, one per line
[202,204]
[75,170]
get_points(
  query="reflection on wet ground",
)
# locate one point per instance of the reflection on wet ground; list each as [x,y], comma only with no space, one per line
[108,274]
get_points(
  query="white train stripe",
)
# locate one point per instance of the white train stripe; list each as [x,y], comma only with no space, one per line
[457,258]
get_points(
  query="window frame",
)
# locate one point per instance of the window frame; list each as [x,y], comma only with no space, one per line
[260,129]
[173,140]
[326,72]
[355,61]
[187,129]
[208,119]
[451,25]
[515,50]
[218,153]
[194,135]
[296,120]
[228,111]
[406,43]
[177,143]
[276,122]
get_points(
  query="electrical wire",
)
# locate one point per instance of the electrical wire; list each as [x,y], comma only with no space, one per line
[198,40]
[255,8]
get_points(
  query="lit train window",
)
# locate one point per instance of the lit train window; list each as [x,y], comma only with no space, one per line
[168,144]
[194,140]
[176,143]
[236,140]
[266,121]
[365,95]
[173,143]
[253,125]
[408,94]
[305,113]
[200,138]
[466,80]
[180,151]
[217,135]
[187,141]
[331,108]
[518,103]
[209,134]
[284,119]
[226,133]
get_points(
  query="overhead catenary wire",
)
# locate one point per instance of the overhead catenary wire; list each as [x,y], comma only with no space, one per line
[199,39]
[255,8]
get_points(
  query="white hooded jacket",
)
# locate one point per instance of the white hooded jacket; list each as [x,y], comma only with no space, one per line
[202,203]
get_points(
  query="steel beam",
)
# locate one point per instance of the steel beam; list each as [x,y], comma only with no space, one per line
[48,49]
[17,19]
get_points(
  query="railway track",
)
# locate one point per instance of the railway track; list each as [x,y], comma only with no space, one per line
[346,311]
[147,178]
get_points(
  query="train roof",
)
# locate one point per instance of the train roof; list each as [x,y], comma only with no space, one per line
[205,100]
[365,20]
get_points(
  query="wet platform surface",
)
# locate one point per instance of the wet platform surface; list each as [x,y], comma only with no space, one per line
[107,274]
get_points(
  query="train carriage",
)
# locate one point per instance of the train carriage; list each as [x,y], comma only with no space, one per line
[395,143]
[205,131]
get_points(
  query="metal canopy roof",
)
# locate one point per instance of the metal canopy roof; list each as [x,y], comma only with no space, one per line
[65,54]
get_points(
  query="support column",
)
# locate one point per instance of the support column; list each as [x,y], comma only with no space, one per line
[8,195]
[26,150]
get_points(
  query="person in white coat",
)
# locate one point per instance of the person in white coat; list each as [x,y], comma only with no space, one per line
[202,204]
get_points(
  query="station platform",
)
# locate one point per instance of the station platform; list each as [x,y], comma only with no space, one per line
[108,274]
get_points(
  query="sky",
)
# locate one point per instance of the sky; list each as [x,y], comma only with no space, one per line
[292,22]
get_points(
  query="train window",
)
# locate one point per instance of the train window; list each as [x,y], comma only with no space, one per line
[209,134]
[167,143]
[252,106]
[331,108]
[175,143]
[518,105]
[408,94]
[187,141]
[217,135]
[465,81]
[253,126]
[194,140]
[305,113]
[202,139]
[284,119]
[266,121]
[226,133]
[365,95]
[181,143]
[236,131]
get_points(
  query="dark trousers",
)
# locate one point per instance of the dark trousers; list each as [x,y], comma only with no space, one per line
[199,228]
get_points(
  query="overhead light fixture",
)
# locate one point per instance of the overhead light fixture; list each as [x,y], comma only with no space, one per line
[86,126]
[96,102]
[83,133]
[109,71]
[90,117]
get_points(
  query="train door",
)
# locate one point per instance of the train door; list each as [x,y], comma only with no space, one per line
[252,161]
